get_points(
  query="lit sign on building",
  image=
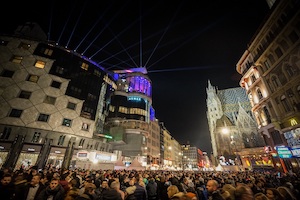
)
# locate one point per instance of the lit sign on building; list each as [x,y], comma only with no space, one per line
[134,98]
[284,152]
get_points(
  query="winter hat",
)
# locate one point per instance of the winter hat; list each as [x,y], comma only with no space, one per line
[130,189]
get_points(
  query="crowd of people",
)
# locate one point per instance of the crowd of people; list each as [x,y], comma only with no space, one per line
[80,184]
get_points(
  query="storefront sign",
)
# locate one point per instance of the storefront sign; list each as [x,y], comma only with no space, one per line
[284,152]
[5,146]
[82,155]
[103,157]
[295,152]
[31,148]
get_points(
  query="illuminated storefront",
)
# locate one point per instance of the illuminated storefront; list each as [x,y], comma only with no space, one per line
[56,157]
[4,150]
[28,156]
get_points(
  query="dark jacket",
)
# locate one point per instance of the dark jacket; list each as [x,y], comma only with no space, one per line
[216,195]
[7,191]
[58,193]
[140,192]
[151,189]
[111,194]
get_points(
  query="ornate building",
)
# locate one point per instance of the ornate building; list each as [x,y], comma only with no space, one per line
[231,125]
[270,70]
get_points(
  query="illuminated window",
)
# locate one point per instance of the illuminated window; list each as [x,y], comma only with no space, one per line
[48,52]
[84,66]
[33,78]
[85,126]
[16,59]
[290,70]
[40,64]
[267,64]
[66,122]
[260,96]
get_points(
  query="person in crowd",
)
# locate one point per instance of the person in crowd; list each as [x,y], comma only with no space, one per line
[200,189]
[162,187]
[140,192]
[54,191]
[73,192]
[151,188]
[286,192]
[190,196]
[104,186]
[6,187]
[243,192]
[230,189]
[89,193]
[260,196]
[111,193]
[116,185]
[174,193]
[20,184]
[129,193]
[274,194]
[33,189]
[212,187]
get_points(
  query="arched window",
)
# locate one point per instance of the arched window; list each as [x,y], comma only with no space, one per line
[275,81]
[260,96]
[285,103]
[290,71]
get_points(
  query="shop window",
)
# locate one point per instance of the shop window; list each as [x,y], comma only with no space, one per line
[7,73]
[50,100]
[5,134]
[15,113]
[25,94]
[66,122]
[61,140]
[43,117]
[16,59]
[71,106]
[24,45]
[33,78]
[55,84]
[36,137]
[40,64]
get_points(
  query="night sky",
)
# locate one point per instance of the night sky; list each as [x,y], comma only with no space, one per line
[183,44]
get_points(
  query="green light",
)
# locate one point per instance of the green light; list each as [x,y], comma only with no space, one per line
[108,136]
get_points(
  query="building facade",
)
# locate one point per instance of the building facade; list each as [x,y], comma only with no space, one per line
[270,75]
[50,110]
[232,126]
